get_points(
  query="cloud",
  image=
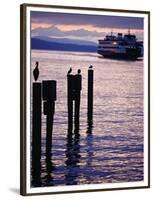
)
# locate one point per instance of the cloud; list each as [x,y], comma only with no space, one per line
[94,20]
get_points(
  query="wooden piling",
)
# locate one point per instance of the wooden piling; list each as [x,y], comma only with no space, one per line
[90,94]
[77,114]
[36,133]
[70,97]
[77,89]
[49,90]
[73,94]
[49,129]
[49,97]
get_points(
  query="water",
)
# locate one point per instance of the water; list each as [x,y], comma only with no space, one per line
[109,151]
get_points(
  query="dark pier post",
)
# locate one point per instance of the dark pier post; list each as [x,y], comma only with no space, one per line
[36,134]
[77,91]
[90,93]
[49,97]
[70,88]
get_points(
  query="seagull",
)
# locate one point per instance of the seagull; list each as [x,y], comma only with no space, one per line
[90,67]
[69,71]
[36,71]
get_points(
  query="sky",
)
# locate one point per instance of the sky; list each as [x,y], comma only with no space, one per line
[81,26]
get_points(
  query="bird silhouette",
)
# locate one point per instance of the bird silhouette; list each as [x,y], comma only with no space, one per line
[36,71]
[79,71]
[69,71]
[90,67]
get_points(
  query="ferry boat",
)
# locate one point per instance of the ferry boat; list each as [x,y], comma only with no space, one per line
[121,46]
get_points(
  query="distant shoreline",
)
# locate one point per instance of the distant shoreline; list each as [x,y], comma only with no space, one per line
[38,44]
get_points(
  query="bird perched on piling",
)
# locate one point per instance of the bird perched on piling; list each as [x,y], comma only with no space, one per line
[36,71]
[69,71]
[79,71]
[90,67]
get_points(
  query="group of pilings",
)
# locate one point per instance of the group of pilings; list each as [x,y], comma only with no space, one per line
[45,92]
[74,86]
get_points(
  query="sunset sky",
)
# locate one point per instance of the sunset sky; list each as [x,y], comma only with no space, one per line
[82,27]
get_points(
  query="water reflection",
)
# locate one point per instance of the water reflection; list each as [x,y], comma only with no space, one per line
[49,168]
[36,173]
[73,158]
[89,127]
[89,149]
[89,142]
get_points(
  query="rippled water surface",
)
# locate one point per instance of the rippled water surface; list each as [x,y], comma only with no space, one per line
[110,150]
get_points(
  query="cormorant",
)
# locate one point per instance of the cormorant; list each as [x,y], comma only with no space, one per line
[36,71]
[90,67]
[79,71]
[69,71]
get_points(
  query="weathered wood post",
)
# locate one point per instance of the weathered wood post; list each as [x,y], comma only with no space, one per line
[70,96]
[49,97]
[74,83]
[77,91]
[90,93]
[36,133]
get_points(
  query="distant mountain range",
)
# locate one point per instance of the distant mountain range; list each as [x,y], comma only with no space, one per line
[62,44]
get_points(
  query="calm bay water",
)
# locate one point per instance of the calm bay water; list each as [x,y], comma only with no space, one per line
[112,149]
